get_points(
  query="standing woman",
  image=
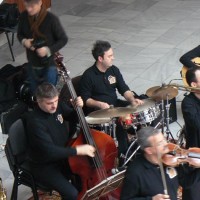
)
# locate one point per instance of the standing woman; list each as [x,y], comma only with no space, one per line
[41,33]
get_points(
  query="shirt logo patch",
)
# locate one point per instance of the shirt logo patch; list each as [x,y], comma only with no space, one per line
[171,171]
[112,79]
[60,118]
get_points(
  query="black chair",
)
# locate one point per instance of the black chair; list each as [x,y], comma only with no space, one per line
[65,95]
[16,153]
[8,30]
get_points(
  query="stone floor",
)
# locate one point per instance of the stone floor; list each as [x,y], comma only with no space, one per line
[148,38]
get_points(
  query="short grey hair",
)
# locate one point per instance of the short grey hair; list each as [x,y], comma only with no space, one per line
[143,136]
[46,90]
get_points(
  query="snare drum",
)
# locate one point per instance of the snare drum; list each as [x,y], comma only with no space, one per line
[147,112]
[147,116]
[101,124]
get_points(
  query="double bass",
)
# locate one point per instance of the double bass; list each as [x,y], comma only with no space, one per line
[91,170]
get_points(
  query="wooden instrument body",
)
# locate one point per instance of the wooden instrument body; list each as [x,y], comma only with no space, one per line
[83,166]
[90,170]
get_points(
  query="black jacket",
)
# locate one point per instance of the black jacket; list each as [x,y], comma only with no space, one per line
[143,181]
[102,86]
[48,135]
[56,37]
[191,114]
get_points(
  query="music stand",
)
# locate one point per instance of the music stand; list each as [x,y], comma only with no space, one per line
[108,185]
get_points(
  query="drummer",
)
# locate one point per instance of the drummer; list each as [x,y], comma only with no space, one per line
[99,84]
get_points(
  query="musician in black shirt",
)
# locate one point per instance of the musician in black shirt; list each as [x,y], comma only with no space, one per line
[99,84]
[191,114]
[48,137]
[143,179]
[191,109]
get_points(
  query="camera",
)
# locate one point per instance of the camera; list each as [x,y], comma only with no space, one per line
[39,43]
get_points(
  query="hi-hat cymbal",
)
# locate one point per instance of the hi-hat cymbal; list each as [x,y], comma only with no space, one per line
[112,112]
[161,93]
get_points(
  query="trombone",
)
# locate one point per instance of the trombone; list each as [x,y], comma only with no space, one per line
[184,88]
[2,191]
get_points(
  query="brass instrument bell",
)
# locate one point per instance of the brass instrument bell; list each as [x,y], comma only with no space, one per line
[2,191]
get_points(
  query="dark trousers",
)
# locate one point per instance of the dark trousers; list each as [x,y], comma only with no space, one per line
[37,75]
[122,139]
[121,134]
[189,179]
[55,177]
[191,188]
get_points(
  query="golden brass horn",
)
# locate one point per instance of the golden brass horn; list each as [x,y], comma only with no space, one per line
[185,88]
[2,191]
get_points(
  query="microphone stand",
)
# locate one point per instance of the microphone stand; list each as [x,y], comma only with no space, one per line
[130,157]
[126,161]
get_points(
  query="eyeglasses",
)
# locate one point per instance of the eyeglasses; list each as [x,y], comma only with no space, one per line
[161,142]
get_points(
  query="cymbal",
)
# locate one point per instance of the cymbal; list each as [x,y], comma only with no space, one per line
[148,103]
[161,93]
[92,120]
[112,112]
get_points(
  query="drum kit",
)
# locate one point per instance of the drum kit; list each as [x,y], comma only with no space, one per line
[137,116]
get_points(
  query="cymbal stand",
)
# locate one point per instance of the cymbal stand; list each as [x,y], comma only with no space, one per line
[134,142]
[168,132]
[113,131]
[125,158]
[163,115]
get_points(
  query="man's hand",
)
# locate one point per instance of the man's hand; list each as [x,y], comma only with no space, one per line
[103,105]
[96,104]
[85,150]
[161,197]
[42,52]
[28,44]
[128,95]
[137,102]
[78,102]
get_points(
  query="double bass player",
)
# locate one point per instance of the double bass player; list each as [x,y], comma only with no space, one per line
[47,142]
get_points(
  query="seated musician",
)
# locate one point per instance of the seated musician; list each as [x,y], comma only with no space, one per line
[191,115]
[191,109]
[143,176]
[187,58]
[48,138]
[99,84]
